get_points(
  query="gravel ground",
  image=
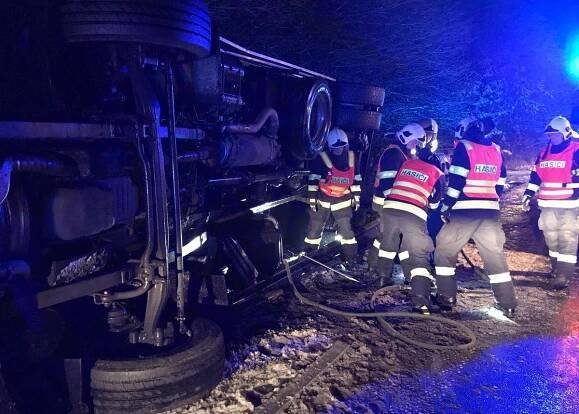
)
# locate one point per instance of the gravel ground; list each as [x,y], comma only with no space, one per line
[526,366]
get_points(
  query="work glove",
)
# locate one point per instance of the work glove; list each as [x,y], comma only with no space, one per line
[355,203]
[526,203]
[313,204]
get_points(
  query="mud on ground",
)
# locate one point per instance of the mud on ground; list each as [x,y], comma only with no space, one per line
[530,365]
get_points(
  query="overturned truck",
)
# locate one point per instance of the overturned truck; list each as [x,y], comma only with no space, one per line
[145,165]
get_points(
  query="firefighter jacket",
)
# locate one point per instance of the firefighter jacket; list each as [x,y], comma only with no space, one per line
[388,165]
[438,160]
[477,177]
[334,176]
[416,187]
[555,176]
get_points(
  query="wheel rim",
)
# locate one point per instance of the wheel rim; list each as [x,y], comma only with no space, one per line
[318,118]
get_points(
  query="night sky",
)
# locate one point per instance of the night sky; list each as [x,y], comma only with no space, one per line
[513,60]
[444,59]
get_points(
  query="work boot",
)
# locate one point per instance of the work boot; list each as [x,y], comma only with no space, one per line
[559,282]
[445,303]
[553,267]
[506,311]
[422,310]
[349,266]
[421,303]
[310,249]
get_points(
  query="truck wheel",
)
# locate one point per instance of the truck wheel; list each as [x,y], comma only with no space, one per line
[354,94]
[353,119]
[162,382]
[168,23]
[308,120]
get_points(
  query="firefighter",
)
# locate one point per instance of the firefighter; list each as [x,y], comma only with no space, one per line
[461,129]
[556,177]
[389,163]
[431,128]
[416,187]
[428,154]
[471,209]
[333,189]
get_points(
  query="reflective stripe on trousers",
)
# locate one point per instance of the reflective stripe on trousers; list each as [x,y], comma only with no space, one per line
[489,238]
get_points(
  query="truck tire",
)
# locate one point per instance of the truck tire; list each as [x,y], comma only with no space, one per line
[307,121]
[354,94]
[353,119]
[176,24]
[163,382]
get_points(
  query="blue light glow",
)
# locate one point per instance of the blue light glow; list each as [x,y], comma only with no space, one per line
[531,375]
[572,57]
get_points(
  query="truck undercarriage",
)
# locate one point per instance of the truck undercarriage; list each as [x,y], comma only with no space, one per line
[164,174]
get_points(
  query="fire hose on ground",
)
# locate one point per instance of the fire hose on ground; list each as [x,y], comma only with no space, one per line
[380,316]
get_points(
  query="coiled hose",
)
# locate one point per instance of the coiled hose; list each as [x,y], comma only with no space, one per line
[380,316]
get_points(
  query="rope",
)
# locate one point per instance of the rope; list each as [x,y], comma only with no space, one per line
[388,327]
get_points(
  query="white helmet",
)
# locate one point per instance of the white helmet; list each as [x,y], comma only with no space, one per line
[430,126]
[562,125]
[337,138]
[410,133]
[462,127]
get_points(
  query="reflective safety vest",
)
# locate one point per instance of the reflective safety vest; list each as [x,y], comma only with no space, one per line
[413,186]
[378,172]
[485,170]
[554,170]
[338,182]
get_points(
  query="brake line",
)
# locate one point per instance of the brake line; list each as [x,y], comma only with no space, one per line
[380,316]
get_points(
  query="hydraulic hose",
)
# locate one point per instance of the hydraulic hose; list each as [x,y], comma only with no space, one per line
[388,327]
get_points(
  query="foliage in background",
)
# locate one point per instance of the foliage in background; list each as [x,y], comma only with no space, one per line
[520,81]
[445,59]
[416,51]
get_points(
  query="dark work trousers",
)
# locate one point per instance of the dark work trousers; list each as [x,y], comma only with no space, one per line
[415,240]
[561,230]
[372,258]
[341,209]
[487,233]
[374,249]
[434,224]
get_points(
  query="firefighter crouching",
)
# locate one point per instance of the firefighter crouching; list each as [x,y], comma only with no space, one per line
[333,189]
[477,179]
[556,177]
[416,186]
[389,163]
